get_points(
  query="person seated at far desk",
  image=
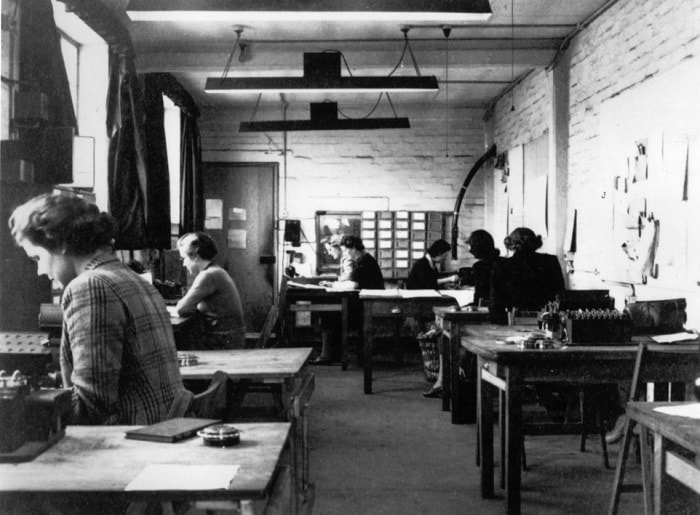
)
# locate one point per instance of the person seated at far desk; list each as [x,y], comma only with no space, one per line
[482,247]
[528,279]
[347,265]
[424,274]
[117,351]
[366,276]
[213,297]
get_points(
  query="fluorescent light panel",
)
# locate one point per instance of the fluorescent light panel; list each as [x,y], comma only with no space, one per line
[324,117]
[231,85]
[246,11]
[322,74]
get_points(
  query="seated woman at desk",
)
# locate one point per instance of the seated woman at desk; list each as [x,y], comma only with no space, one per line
[482,247]
[425,274]
[528,279]
[213,296]
[346,263]
[366,275]
[117,350]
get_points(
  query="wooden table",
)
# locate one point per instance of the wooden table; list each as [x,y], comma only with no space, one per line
[509,368]
[684,432]
[394,306]
[286,367]
[98,462]
[321,301]
[453,323]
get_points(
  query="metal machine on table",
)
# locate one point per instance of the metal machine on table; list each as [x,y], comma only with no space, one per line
[32,418]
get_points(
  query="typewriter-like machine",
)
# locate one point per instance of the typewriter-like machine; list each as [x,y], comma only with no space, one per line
[33,412]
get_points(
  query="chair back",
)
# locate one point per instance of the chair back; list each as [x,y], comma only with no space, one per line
[270,322]
[211,403]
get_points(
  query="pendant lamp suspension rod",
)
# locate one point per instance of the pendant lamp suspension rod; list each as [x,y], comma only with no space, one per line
[255,108]
[512,54]
[239,31]
[446,30]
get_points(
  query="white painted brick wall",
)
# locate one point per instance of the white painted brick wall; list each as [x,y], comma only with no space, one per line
[362,170]
[634,41]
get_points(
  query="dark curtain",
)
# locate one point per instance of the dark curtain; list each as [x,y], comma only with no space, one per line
[158,198]
[191,182]
[127,154]
[191,199]
[41,69]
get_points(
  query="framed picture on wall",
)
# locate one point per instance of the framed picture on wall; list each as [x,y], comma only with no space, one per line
[330,225]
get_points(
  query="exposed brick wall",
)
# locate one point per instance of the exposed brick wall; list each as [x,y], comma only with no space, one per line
[403,169]
[630,44]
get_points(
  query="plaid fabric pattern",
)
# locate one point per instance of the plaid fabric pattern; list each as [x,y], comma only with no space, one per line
[117,351]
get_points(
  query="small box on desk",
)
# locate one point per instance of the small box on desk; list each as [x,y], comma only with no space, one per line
[617,331]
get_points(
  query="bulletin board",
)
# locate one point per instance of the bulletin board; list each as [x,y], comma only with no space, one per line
[650,152]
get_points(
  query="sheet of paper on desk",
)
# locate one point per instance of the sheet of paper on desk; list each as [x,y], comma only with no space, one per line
[306,286]
[380,293]
[173,311]
[675,337]
[691,410]
[417,294]
[463,297]
[183,477]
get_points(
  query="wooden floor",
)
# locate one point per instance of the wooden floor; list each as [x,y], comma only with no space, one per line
[396,452]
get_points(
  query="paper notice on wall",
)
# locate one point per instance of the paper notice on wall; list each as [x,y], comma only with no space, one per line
[237,213]
[213,208]
[236,238]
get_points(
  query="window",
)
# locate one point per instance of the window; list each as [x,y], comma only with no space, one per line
[71,55]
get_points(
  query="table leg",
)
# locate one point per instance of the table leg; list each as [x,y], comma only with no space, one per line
[485,435]
[513,440]
[646,459]
[659,465]
[446,355]
[344,335]
[368,345]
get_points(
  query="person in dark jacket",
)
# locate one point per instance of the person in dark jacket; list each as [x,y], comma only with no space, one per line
[482,247]
[366,276]
[527,280]
[425,274]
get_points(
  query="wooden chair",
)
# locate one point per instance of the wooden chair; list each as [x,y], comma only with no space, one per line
[643,373]
[246,386]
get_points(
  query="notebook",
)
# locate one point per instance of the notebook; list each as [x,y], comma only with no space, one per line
[172,430]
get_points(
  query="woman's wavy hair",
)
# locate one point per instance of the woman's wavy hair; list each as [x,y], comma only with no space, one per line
[438,248]
[198,244]
[481,244]
[62,223]
[352,242]
[523,239]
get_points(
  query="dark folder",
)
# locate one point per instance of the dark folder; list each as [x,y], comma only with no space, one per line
[172,430]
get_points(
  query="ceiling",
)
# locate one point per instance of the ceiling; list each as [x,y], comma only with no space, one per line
[483,58]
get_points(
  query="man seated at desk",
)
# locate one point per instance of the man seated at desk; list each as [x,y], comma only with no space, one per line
[117,350]
[366,275]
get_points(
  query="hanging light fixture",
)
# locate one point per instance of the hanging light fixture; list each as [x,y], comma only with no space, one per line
[324,117]
[512,55]
[322,74]
[245,11]
[446,30]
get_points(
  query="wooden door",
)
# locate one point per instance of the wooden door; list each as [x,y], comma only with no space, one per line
[241,205]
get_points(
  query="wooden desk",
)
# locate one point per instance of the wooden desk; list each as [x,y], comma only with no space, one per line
[667,463]
[99,462]
[394,306]
[509,368]
[453,324]
[284,366]
[321,301]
